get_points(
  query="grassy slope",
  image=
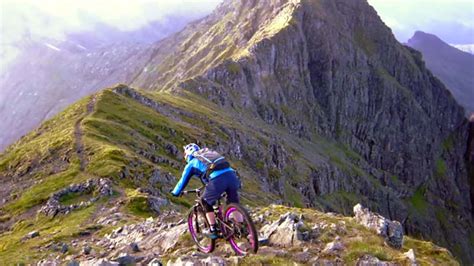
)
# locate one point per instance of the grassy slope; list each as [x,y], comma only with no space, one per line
[116,135]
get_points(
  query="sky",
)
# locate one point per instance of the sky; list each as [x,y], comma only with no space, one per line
[451,20]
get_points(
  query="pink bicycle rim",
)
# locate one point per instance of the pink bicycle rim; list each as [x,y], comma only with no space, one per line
[193,233]
[231,240]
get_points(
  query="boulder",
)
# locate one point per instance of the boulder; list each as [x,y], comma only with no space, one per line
[64,248]
[125,259]
[134,247]
[99,262]
[155,262]
[193,261]
[392,231]
[333,247]
[368,260]
[157,203]
[48,262]
[285,232]
[87,250]
[32,234]
[410,254]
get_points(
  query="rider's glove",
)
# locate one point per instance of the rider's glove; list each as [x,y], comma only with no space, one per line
[175,195]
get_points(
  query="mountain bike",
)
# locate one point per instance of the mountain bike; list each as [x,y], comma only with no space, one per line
[241,235]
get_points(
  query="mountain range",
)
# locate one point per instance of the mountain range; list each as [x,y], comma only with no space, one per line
[453,67]
[48,75]
[314,102]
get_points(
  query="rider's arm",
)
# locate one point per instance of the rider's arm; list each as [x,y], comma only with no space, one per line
[194,167]
[183,182]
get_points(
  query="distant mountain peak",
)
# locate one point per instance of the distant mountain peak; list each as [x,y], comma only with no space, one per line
[453,66]
[423,37]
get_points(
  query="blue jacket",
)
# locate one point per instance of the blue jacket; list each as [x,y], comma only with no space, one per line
[194,167]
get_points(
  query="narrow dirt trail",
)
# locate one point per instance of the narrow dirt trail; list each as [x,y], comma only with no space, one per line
[78,133]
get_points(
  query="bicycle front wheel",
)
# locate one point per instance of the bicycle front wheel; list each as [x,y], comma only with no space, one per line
[197,225]
[243,237]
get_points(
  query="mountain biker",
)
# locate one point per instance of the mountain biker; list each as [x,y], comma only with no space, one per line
[222,178]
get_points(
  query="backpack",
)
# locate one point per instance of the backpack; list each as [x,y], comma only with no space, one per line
[212,159]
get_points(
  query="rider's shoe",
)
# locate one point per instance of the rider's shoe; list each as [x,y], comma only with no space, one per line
[212,234]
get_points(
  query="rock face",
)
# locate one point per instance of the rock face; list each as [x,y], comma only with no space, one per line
[286,232]
[470,157]
[392,231]
[333,68]
[455,68]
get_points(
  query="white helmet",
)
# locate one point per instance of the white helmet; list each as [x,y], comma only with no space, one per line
[190,149]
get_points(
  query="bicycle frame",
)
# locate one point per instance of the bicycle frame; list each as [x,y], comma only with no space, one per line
[226,229]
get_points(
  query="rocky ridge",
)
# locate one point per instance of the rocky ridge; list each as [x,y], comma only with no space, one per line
[288,235]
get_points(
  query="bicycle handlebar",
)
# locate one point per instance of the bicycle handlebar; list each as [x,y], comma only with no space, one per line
[197,190]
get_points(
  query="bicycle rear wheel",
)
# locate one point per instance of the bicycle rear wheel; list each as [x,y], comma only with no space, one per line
[243,239]
[197,223]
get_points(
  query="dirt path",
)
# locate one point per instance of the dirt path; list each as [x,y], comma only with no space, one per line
[78,134]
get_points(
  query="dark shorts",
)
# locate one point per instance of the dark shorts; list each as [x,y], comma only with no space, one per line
[228,183]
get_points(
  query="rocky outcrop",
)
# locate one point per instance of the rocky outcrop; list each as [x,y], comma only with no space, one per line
[53,206]
[331,240]
[392,231]
[286,232]
[152,235]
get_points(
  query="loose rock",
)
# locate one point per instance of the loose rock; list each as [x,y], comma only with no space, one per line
[32,234]
[392,231]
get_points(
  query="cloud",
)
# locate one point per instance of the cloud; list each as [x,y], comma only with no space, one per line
[55,18]
[451,20]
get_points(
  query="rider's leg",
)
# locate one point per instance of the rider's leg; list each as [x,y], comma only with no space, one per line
[233,196]
[211,218]
[211,194]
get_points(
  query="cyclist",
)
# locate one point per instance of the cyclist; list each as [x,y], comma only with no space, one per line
[221,178]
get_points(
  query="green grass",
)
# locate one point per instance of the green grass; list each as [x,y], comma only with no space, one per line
[427,253]
[233,68]
[75,198]
[448,143]
[441,168]
[39,193]
[61,228]
[418,201]
[46,142]
[266,260]
[343,201]
[137,204]
[293,196]
[394,179]
[372,246]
